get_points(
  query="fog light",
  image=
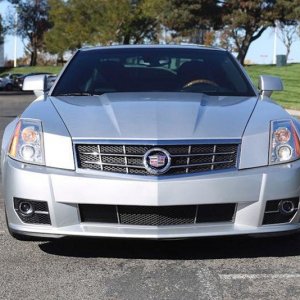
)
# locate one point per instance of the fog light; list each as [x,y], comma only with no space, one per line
[26,208]
[286,206]
[284,152]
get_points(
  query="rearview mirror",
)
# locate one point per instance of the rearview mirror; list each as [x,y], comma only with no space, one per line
[268,84]
[39,84]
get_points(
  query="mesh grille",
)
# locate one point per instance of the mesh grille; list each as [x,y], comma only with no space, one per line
[40,213]
[273,215]
[185,159]
[36,219]
[157,215]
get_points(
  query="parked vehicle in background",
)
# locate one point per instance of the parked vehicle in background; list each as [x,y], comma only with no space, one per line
[8,81]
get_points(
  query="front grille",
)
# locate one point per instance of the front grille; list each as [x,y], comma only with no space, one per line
[128,159]
[157,215]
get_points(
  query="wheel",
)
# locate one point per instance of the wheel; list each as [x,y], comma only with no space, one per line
[9,87]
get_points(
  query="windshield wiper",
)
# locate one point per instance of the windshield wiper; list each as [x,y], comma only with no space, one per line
[76,94]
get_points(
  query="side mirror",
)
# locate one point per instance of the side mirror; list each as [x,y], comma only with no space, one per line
[268,84]
[39,84]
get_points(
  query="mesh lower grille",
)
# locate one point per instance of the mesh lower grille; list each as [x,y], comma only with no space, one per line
[157,215]
[128,159]
[40,213]
[273,215]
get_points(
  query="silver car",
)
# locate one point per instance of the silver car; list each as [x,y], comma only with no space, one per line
[152,142]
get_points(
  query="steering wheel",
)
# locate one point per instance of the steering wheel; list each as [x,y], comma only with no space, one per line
[200,81]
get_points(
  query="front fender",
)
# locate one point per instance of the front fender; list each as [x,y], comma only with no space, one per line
[256,137]
[57,140]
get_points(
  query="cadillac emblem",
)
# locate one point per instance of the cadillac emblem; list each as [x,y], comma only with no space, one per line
[157,161]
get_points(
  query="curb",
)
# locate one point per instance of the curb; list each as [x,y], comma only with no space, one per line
[295,113]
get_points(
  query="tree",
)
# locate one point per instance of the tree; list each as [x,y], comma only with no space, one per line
[94,22]
[139,26]
[32,23]
[288,35]
[192,18]
[247,20]
[70,21]
[241,21]
[2,31]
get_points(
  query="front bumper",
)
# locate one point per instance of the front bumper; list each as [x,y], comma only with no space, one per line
[65,190]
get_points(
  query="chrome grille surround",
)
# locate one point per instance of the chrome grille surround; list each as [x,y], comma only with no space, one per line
[187,157]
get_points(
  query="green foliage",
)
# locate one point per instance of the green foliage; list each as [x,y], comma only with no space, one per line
[242,21]
[247,20]
[183,16]
[78,23]
[25,70]
[31,25]
[2,31]
[94,22]
[192,17]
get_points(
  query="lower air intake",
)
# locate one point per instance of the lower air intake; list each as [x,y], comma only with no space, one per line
[157,215]
[274,214]
[38,215]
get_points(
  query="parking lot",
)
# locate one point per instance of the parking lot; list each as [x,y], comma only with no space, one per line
[207,268]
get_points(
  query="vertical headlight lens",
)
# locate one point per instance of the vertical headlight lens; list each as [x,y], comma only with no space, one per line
[284,144]
[27,142]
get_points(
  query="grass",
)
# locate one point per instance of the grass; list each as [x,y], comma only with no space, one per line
[290,75]
[24,70]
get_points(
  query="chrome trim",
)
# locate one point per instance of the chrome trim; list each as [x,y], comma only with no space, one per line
[156,142]
[214,157]
[188,158]
[196,214]
[150,143]
[202,164]
[156,171]
[114,165]
[41,212]
[171,155]
[100,157]
[151,177]
[125,158]
[118,215]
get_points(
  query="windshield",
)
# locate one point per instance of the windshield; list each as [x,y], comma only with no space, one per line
[111,70]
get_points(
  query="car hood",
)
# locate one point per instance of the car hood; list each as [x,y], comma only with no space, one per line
[153,116]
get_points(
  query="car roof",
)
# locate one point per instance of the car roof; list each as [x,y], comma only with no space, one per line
[158,46]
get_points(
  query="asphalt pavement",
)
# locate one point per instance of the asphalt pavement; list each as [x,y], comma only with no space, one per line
[207,268]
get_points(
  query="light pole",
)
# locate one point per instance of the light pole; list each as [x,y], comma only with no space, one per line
[275,42]
[15,37]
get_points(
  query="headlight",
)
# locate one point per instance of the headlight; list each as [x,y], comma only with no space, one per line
[284,144]
[27,142]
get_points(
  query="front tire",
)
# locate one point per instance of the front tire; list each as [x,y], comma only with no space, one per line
[9,87]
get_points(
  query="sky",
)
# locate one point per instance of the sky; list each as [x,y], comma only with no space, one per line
[260,51]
